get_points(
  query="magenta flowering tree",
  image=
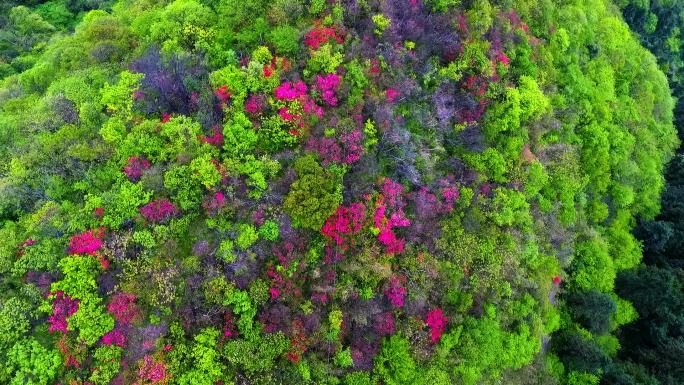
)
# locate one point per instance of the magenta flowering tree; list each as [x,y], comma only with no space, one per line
[63,307]
[346,221]
[290,91]
[115,337]
[122,306]
[327,85]
[159,210]
[151,371]
[135,167]
[88,242]
[436,321]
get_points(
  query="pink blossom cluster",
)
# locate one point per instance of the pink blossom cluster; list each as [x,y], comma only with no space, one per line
[115,337]
[391,197]
[427,205]
[327,85]
[344,222]
[396,292]
[122,306]
[290,91]
[450,195]
[386,236]
[501,58]
[352,145]
[311,108]
[437,322]
[62,308]
[135,167]
[347,148]
[23,245]
[254,104]
[152,370]
[391,94]
[285,114]
[88,242]
[159,210]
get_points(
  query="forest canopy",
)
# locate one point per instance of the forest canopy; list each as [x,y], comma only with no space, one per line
[342,192]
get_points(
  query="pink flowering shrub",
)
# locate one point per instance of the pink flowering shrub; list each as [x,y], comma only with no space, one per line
[344,222]
[135,167]
[327,85]
[88,242]
[115,337]
[151,371]
[346,148]
[396,292]
[311,108]
[290,91]
[437,322]
[159,210]
[62,308]
[254,104]
[391,94]
[386,236]
[122,306]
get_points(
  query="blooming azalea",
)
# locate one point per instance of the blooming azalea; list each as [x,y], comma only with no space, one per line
[437,322]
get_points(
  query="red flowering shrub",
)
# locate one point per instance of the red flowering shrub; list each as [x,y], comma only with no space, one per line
[88,242]
[222,94]
[62,308]
[229,327]
[321,35]
[216,138]
[122,306]
[159,210]
[346,148]
[437,322]
[135,167]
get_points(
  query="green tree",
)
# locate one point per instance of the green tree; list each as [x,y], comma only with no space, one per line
[314,196]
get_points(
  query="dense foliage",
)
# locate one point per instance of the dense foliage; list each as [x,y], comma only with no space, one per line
[333,192]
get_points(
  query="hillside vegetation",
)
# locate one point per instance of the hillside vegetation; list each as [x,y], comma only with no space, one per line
[352,192]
